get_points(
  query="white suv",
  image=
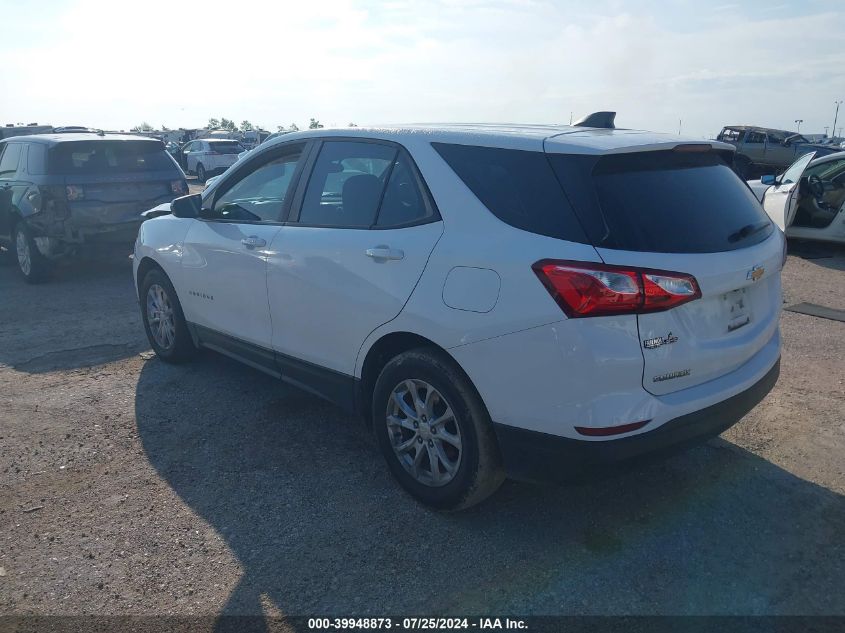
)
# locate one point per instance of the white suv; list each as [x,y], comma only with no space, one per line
[542,302]
[209,156]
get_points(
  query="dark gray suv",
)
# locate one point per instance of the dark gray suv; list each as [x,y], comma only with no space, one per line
[61,191]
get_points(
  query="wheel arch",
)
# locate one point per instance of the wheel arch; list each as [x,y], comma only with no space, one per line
[380,353]
[144,266]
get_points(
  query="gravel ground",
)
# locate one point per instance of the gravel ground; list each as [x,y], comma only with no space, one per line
[133,487]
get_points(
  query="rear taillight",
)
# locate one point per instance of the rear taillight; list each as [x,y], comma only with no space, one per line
[585,289]
[74,192]
[179,187]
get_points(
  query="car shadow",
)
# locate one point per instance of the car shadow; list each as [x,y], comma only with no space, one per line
[303,500]
[826,254]
[86,314]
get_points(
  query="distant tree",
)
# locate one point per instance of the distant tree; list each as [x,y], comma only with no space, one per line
[144,127]
[226,124]
[164,128]
[293,127]
[213,123]
[352,125]
[246,126]
[314,124]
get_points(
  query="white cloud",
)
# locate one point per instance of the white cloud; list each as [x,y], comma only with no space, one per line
[343,61]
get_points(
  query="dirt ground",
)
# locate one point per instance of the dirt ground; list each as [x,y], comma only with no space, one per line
[133,487]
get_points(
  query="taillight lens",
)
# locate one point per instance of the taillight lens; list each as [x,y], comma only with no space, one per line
[74,192]
[179,187]
[584,289]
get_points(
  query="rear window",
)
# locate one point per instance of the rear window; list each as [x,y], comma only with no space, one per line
[518,187]
[662,201]
[226,147]
[90,157]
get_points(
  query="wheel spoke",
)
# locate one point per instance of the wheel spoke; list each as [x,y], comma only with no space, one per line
[404,407]
[434,463]
[405,423]
[415,466]
[445,417]
[450,438]
[407,445]
[448,464]
[419,406]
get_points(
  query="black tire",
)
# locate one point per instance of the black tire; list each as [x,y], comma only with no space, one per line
[479,472]
[200,172]
[182,347]
[37,270]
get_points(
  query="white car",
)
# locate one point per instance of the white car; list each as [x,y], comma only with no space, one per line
[204,157]
[544,302]
[808,199]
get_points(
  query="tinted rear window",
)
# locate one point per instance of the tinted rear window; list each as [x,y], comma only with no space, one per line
[518,187]
[664,201]
[226,147]
[91,157]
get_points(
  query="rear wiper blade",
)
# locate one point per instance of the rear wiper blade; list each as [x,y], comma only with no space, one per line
[745,231]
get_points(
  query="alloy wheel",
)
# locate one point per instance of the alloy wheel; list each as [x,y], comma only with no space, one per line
[24,255]
[160,317]
[424,432]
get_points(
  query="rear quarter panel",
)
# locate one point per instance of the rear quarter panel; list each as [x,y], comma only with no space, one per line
[474,238]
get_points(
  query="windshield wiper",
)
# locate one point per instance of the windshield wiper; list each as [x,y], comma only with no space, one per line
[745,231]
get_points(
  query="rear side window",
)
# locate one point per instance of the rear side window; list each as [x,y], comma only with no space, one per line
[226,147]
[346,184]
[9,159]
[662,201]
[90,157]
[36,162]
[518,187]
[403,202]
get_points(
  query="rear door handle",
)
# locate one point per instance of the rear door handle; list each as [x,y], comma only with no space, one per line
[253,241]
[384,252]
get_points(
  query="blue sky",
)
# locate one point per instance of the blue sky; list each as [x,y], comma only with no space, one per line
[115,64]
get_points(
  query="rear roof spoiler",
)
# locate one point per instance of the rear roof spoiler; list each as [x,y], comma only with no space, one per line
[597,119]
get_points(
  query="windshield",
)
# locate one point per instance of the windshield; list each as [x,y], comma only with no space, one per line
[89,157]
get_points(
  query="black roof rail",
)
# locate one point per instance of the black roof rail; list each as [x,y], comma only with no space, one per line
[597,119]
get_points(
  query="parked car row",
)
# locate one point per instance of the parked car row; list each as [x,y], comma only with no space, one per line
[60,191]
[537,302]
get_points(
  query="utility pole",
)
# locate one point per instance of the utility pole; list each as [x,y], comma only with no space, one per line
[680,125]
[799,122]
[826,128]
[836,116]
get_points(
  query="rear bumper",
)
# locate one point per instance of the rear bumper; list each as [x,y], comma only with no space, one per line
[533,456]
[93,222]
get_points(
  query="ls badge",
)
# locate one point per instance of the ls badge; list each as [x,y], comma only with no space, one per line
[755,273]
[657,341]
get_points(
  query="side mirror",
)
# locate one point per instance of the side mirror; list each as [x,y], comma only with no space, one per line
[187,206]
[768,180]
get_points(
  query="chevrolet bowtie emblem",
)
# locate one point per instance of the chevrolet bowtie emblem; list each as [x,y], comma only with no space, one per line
[755,273]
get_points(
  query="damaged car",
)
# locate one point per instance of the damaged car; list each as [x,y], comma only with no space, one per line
[62,192]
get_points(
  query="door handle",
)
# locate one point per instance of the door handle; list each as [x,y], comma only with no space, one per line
[384,252]
[253,241]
